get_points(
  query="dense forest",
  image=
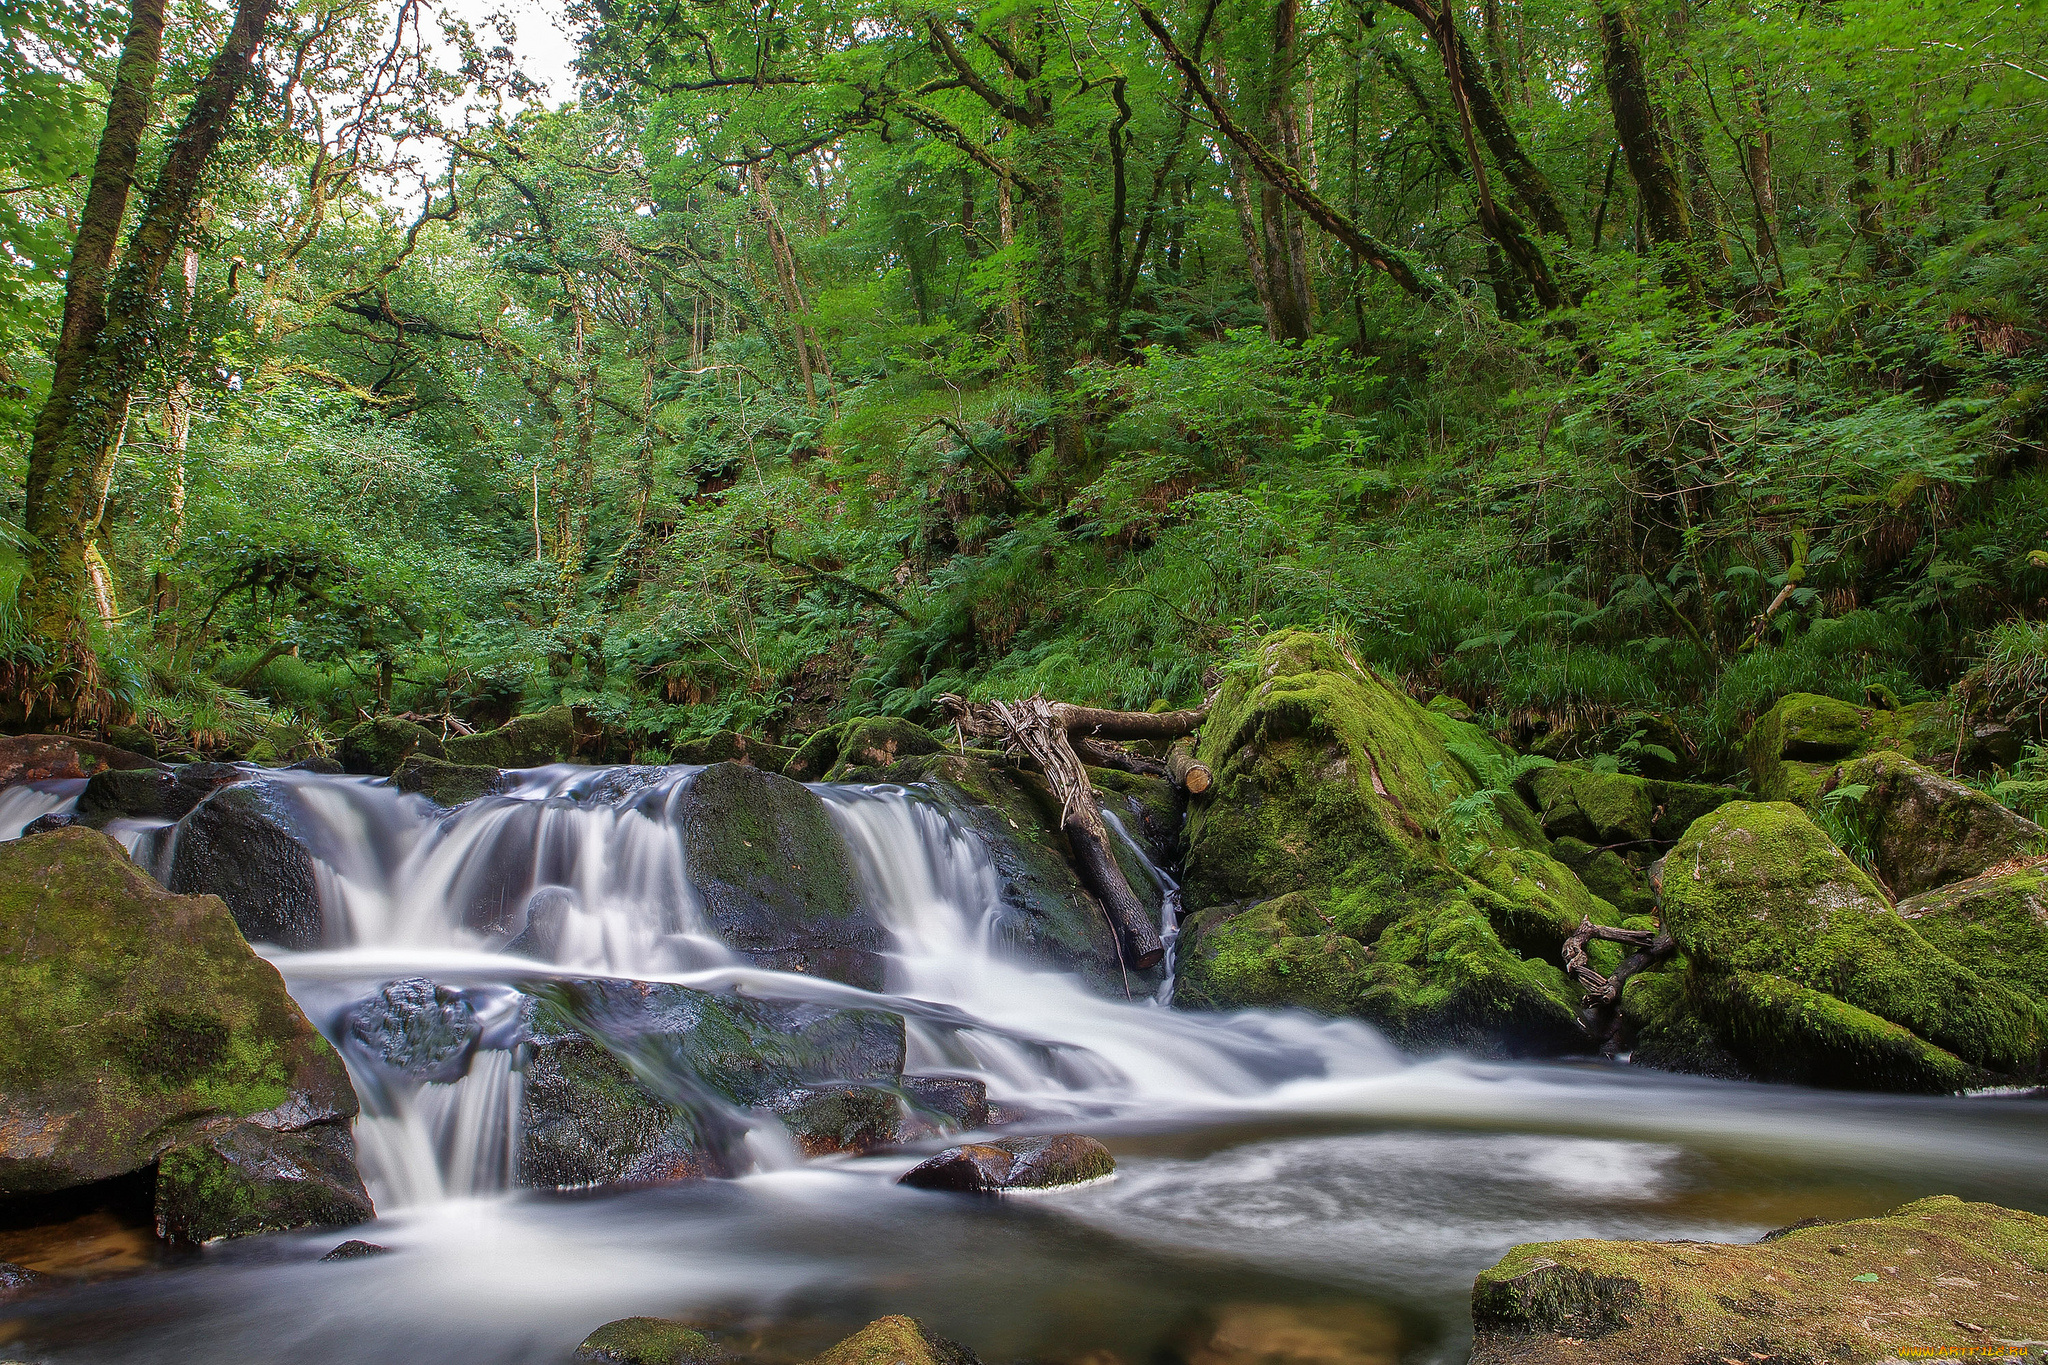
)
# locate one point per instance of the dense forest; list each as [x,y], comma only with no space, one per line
[1614,367]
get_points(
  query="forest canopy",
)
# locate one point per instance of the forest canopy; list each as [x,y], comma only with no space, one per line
[1614,367]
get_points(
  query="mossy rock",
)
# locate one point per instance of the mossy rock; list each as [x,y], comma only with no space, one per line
[1279,952]
[1782,1031]
[1014,1165]
[1938,1275]
[1607,875]
[376,747]
[827,1120]
[1332,783]
[1757,889]
[240,1179]
[1795,745]
[1049,918]
[1602,809]
[897,1341]
[877,742]
[730,746]
[448,784]
[1996,924]
[555,735]
[42,758]
[1668,1031]
[1926,830]
[775,879]
[135,1020]
[648,1341]
[816,755]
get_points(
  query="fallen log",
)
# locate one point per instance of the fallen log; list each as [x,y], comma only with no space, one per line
[1053,734]
[1191,776]
[1602,1016]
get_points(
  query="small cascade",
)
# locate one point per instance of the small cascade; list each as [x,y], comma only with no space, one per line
[447,1139]
[23,804]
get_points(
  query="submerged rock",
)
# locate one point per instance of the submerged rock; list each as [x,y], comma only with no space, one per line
[1012,1165]
[897,1341]
[647,1341]
[944,1103]
[243,843]
[416,1028]
[1800,969]
[447,784]
[376,747]
[825,1120]
[137,1028]
[15,1279]
[1936,1275]
[1334,791]
[775,878]
[1926,830]
[355,1250]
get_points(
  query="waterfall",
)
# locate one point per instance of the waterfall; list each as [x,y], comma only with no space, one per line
[26,802]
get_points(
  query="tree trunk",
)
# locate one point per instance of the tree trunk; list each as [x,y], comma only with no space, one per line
[1659,192]
[101,353]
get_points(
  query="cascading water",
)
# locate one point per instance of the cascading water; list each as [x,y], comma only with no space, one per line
[1265,1157]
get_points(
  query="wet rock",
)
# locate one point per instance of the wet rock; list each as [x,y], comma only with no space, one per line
[15,1279]
[878,742]
[244,845]
[1279,952]
[1334,785]
[354,1250]
[730,746]
[556,735]
[1804,972]
[951,1102]
[1996,924]
[153,794]
[586,1119]
[447,784]
[1926,830]
[546,921]
[376,747]
[897,1341]
[775,878]
[42,758]
[1010,1165]
[43,824]
[416,1028]
[134,1022]
[828,1119]
[648,1341]
[238,1179]
[1938,1275]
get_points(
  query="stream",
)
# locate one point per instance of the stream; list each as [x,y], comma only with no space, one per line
[1288,1186]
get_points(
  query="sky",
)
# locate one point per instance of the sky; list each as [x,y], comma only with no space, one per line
[545,47]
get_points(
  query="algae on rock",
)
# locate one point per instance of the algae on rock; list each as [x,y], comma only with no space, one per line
[1926,830]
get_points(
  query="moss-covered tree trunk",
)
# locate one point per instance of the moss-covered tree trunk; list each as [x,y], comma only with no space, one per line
[107,330]
[1665,211]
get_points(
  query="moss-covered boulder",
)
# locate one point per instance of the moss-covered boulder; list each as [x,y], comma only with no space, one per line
[141,1032]
[1797,961]
[648,1341]
[1049,918]
[1794,747]
[1279,952]
[730,746]
[1014,1165]
[1606,810]
[775,878]
[1332,784]
[636,1081]
[1996,924]
[1937,1276]
[556,735]
[376,747]
[1925,830]
[897,1341]
[448,784]
[877,742]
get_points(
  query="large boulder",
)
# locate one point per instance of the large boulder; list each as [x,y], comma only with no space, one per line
[878,741]
[631,1081]
[42,758]
[1996,924]
[1609,809]
[1925,830]
[376,747]
[730,746]
[556,735]
[244,844]
[1016,1165]
[1333,785]
[1795,745]
[140,1033]
[1936,1277]
[775,879]
[154,793]
[448,784]
[1049,918]
[1803,970]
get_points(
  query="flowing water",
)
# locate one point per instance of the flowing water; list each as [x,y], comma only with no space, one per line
[1282,1178]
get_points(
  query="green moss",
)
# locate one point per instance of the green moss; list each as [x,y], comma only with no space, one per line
[376,747]
[1439,977]
[1939,1274]
[1798,743]
[895,1341]
[878,741]
[1781,1031]
[1757,888]
[1600,808]
[447,784]
[647,1341]
[132,1015]
[1925,829]
[1667,1030]
[1281,952]
[531,741]
[1995,924]
[1607,875]
[816,756]
[730,746]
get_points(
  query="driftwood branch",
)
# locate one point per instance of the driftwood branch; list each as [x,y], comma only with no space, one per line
[1603,993]
[1055,735]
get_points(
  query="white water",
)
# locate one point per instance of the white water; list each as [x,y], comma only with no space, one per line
[29,801]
